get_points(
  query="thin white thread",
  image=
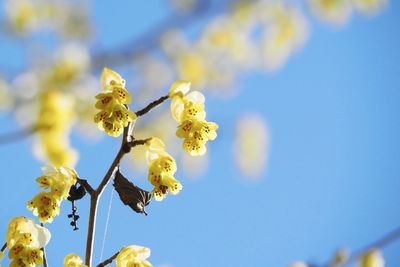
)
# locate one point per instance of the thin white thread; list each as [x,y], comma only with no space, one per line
[107,222]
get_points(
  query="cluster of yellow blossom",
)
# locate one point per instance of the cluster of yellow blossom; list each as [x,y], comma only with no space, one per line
[371,258]
[25,16]
[339,11]
[251,146]
[188,111]
[46,205]
[73,260]
[53,121]
[133,256]
[112,102]
[162,167]
[24,241]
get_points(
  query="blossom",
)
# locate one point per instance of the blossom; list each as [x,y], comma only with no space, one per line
[332,11]
[188,110]
[46,205]
[25,256]
[112,103]
[162,167]
[73,260]
[25,240]
[369,7]
[298,264]
[22,230]
[133,256]
[372,258]
[54,121]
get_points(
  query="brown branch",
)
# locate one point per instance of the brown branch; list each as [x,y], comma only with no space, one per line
[3,247]
[95,195]
[109,260]
[44,253]
[150,106]
[86,185]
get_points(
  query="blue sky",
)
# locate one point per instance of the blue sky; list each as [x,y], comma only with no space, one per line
[333,175]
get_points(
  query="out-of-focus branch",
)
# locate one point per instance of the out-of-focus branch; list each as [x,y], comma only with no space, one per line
[3,247]
[19,135]
[150,39]
[377,244]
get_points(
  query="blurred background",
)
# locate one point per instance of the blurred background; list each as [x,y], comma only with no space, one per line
[305,93]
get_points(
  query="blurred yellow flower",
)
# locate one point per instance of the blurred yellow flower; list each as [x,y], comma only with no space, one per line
[332,11]
[133,256]
[54,122]
[251,146]
[369,7]
[298,264]
[73,260]
[372,258]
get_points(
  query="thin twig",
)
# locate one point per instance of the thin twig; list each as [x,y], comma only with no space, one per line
[86,185]
[3,247]
[94,198]
[44,253]
[109,260]
[150,106]
[18,135]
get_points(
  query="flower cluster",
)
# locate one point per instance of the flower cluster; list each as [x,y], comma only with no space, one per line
[112,102]
[46,205]
[162,167]
[24,241]
[133,256]
[372,258]
[73,260]
[54,117]
[188,111]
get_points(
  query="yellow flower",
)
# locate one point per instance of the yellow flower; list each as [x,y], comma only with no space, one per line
[372,258]
[24,254]
[24,231]
[73,260]
[162,167]
[298,264]
[110,78]
[54,121]
[114,114]
[369,7]
[196,133]
[45,205]
[179,88]
[133,256]
[332,11]
[59,180]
